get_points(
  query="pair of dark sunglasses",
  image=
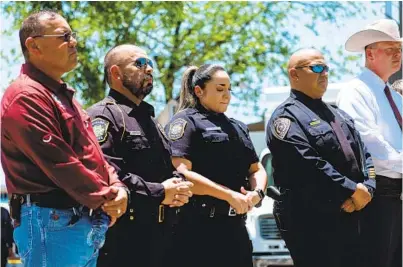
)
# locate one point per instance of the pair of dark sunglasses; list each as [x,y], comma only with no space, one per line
[66,36]
[142,62]
[316,68]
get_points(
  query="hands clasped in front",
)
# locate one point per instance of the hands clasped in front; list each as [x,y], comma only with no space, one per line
[117,206]
[358,200]
[177,192]
[244,201]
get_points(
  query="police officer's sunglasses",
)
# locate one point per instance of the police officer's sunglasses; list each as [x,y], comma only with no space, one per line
[66,36]
[316,68]
[142,62]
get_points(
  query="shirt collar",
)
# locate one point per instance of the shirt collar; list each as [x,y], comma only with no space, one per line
[39,76]
[373,80]
[128,105]
[207,112]
[304,98]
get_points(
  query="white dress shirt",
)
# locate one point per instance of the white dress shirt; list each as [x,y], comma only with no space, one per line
[365,101]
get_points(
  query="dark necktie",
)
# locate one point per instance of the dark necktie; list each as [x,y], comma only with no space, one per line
[345,145]
[392,103]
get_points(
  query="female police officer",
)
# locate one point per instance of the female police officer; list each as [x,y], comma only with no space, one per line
[217,155]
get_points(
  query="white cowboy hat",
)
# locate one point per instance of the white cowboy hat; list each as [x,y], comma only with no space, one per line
[379,31]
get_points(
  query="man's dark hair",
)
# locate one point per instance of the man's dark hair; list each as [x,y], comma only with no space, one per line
[31,26]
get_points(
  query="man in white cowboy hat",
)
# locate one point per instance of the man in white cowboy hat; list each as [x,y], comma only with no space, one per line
[377,112]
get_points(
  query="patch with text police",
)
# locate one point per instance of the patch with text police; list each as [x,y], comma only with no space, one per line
[176,129]
[280,127]
[100,127]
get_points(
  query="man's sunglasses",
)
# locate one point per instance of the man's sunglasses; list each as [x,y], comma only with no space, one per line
[142,62]
[316,68]
[66,36]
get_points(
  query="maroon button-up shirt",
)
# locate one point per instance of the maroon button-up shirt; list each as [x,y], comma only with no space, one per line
[47,142]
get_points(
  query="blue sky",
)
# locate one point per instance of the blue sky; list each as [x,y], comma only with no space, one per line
[329,36]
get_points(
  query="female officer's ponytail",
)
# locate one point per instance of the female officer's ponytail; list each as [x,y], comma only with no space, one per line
[195,76]
[187,98]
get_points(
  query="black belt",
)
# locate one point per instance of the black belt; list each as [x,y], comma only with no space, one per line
[50,200]
[388,187]
[219,208]
[150,213]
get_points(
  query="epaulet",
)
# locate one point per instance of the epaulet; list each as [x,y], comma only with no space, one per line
[240,123]
[190,111]
[289,102]
[334,106]
[117,116]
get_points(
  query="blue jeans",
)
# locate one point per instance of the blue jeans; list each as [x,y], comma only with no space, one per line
[45,239]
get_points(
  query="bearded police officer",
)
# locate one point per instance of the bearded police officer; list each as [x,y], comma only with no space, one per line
[135,144]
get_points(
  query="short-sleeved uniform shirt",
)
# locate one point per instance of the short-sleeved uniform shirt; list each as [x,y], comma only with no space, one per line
[135,144]
[218,147]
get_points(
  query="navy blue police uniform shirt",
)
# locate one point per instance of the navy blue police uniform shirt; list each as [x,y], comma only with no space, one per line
[218,147]
[307,157]
[135,144]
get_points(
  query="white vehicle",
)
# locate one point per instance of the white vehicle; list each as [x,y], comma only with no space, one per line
[268,247]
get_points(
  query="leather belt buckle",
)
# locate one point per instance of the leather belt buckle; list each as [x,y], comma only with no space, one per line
[231,212]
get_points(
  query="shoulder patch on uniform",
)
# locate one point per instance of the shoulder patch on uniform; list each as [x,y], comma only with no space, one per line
[177,129]
[100,127]
[280,127]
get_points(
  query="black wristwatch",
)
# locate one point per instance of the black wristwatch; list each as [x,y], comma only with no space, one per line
[261,194]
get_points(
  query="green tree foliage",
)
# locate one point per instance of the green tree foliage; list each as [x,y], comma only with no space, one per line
[251,39]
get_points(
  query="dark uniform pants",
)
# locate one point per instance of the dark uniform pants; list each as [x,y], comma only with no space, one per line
[142,243]
[382,225]
[319,240]
[201,241]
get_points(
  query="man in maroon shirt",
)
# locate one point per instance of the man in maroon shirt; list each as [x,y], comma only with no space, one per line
[53,164]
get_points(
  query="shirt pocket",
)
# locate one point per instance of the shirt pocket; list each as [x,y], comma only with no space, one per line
[137,142]
[323,136]
[215,138]
[70,131]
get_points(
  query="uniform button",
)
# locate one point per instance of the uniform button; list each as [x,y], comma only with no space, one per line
[203,205]
[131,218]
[131,210]
[105,166]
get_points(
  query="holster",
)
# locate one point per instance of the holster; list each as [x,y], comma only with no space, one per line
[15,209]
